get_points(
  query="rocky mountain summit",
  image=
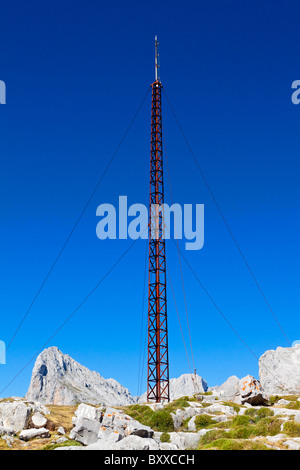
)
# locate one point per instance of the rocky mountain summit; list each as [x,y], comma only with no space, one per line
[59,380]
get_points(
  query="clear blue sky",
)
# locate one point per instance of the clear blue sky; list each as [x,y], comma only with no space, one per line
[75,73]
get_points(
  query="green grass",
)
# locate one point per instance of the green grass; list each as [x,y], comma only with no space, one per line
[160,420]
[179,404]
[204,421]
[212,436]
[68,443]
[293,399]
[258,414]
[233,405]
[165,437]
[228,444]
[241,428]
[292,429]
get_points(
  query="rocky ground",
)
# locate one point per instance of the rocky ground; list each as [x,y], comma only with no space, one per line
[69,407]
[202,422]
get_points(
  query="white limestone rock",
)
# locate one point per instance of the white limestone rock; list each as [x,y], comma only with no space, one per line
[135,443]
[185,385]
[6,431]
[86,431]
[229,389]
[250,391]
[88,412]
[191,424]
[282,402]
[58,379]
[118,421]
[226,410]
[181,415]
[14,415]
[243,391]
[292,444]
[38,420]
[29,434]
[279,370]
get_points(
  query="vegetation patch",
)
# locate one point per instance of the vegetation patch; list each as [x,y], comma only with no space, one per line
[212,436]
[68,443]
[292,429]
[179,404]
[293,399]
[233,444]
[258,414]
[165,437]
[233,405]
[61,416]
[204,421]
[160,420]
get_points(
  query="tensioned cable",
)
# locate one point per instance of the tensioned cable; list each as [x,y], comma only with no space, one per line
[144,357]
[78,220]
[70,316]
[225,318]
[225,220]
[142,320]
[180,266]
[179,321]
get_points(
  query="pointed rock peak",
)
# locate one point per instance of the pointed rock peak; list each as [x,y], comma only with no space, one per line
[58,379]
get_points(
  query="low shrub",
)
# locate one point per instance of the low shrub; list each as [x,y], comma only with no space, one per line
[292,429]
[203,421]
[165,437]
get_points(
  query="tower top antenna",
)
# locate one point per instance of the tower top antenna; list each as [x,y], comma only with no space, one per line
[157,64]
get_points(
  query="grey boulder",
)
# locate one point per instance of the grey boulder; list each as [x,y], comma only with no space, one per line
[29,434]
[118,421]
[6,431]
[243,391]
[86,431]
[14,415]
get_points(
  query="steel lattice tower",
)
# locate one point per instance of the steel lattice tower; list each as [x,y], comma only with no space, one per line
[158,357]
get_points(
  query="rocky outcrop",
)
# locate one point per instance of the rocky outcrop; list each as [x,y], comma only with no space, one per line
[104,428]
[58,379]
[229,389]
[14,415]
[185,385]
[242,391]
[279,370]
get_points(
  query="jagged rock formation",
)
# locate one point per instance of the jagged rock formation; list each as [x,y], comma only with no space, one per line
[241,391]
[58,379]
[185,385]
[279,370]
